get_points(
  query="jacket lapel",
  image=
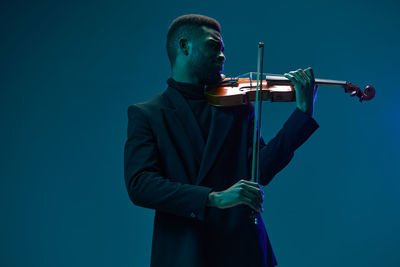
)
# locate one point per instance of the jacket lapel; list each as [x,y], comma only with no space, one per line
[221,123]
[190,137]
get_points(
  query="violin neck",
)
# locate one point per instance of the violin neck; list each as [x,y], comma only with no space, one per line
[278,79]
[330,82]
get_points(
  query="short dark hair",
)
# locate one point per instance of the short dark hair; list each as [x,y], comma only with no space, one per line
[186,25]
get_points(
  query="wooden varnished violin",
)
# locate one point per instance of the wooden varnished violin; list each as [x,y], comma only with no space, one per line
[275,88]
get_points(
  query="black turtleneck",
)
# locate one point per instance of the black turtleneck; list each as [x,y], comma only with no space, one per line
[195,97]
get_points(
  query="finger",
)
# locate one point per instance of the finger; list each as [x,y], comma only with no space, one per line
[251,204]
[255,186]
[253,192]
[310,72]
[251,195]
[252,184]
[305,76]
[291,78]
[302,80]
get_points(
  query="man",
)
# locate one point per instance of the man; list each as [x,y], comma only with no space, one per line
[191,161]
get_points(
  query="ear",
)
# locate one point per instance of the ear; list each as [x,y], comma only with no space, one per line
[184,46]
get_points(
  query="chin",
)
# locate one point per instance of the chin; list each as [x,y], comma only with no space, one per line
[213,78]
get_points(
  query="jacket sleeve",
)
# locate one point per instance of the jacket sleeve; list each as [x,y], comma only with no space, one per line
[146,185]
[275,155]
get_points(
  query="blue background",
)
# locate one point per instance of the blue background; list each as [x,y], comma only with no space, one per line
[70,69]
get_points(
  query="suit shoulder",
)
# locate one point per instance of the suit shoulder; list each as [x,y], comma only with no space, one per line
[148,107]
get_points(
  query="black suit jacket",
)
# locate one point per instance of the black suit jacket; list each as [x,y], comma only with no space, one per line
[170,168]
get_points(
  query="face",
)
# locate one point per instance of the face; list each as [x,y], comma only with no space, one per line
[207,57]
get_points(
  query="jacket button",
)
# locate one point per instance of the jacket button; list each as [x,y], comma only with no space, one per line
[192,215]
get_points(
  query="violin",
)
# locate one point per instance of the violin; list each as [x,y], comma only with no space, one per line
[275,88]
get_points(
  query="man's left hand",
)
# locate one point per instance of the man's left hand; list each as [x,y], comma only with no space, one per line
[306,90]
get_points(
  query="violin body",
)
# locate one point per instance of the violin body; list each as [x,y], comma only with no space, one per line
[241,91]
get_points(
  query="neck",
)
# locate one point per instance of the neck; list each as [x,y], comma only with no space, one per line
[180,74]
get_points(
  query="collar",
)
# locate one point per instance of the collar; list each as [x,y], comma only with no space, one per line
[188,90]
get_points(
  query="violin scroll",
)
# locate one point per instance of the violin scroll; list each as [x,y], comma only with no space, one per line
[367,94]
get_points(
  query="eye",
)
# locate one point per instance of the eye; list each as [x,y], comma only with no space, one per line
[215,46]
[218,47]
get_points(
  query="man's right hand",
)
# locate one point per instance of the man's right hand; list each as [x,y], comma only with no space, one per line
[243,192]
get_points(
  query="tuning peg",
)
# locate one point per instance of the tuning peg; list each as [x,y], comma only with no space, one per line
[354,93]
